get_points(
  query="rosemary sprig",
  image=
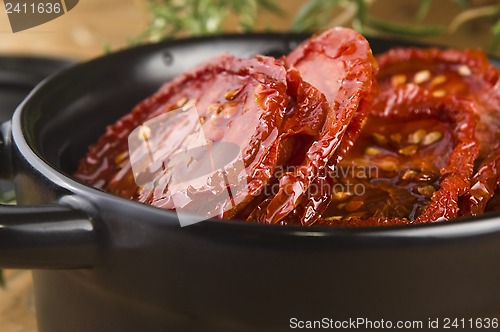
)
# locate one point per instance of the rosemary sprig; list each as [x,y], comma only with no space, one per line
[177,18]
[363,21]
[405,30]
[314,14]
[311,17]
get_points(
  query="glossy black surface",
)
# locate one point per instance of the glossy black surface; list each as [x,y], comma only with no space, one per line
[149,274]
[18,76]
[42,236]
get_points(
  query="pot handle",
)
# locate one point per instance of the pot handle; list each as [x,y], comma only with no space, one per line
[46,237]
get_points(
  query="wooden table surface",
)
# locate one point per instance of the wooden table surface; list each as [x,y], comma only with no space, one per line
[17,309]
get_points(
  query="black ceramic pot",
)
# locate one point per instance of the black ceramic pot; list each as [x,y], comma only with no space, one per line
[102,263]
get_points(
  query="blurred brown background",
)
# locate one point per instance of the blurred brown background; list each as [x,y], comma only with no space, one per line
[80,33]
[83,33]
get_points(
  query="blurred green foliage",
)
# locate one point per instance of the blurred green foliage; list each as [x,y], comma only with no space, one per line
[178,18]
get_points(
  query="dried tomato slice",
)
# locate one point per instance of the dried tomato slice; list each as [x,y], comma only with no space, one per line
[241,101]
[297,124]
[416,155]
[303,124]
[484,184]
[339,63]
[494,203]
[464,74]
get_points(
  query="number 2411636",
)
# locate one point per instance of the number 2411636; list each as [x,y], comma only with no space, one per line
[33,8]
[473,323]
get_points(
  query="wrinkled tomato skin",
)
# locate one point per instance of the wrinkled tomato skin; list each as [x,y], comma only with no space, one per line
[414,103]
[253,90]
[298,119]
[464,74]
[484,186]
[340,65]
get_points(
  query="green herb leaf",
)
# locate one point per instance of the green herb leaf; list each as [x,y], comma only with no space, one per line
[405,30]
[177,18]
[271,7]
[314,15]
[495,30]
[306,12]
[423,9]
[362,11]
[462,3]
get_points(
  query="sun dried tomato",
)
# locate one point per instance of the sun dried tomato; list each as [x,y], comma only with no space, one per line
[484,184]
[340,65]
[308,126]
[416,155]
[465,74]
[240,101]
